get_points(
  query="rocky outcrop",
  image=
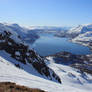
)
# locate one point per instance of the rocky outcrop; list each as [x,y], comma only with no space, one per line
[22,53]
[81,62]
[26,34]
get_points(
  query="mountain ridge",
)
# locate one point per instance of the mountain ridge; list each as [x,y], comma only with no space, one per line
[11,43]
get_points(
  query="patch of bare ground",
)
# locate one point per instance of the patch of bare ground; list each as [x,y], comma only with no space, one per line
[13,87]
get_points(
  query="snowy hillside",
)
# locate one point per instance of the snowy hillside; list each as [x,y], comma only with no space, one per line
[71,79]
[11,43]
[25,33]
[75,31]
[82,35]
[19,63]
[84,32]
[80,29]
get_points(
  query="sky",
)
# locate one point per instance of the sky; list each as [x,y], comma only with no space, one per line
[46,12]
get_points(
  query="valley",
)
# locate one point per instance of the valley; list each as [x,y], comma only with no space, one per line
[35,59]
[45,46]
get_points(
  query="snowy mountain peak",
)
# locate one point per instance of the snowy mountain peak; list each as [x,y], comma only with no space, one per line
[81,29]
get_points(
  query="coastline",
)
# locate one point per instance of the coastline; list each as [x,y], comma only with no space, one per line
[82,43]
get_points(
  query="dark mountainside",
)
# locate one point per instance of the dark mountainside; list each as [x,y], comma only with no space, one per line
[21,52]
[81,62]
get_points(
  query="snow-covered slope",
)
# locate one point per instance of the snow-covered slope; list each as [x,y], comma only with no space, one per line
[84,37]
[71,77]
[80,29]
[72,80]
[75,31]
[25,33]
[11,43]
[84,32]
[22,65]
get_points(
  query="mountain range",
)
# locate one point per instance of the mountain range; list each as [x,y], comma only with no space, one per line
[21,64]
[81,34]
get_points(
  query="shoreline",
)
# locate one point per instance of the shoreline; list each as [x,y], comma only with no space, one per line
[83,44]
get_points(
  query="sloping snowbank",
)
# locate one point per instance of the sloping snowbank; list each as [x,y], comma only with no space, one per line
[8,72]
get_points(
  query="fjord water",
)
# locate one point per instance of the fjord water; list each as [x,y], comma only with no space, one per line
[48,44]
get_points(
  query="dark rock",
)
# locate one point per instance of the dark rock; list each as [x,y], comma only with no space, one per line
[22,53]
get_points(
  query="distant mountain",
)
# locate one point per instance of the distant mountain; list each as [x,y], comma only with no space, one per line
[82,35]
[87,36]
[80,29]
[75,31]
[25,33]
[48,29]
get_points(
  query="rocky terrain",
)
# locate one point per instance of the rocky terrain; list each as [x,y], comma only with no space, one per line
[26,34]
[81,62]
[12,43]
[26,75]
[20,64]
[13,87]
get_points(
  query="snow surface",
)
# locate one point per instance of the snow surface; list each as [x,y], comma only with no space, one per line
[81,34]
[81,29]
[75,30]
[17,30]
[14,36]
[72,80]
[84,37]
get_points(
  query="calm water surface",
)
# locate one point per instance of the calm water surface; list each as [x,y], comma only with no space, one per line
[48,44]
